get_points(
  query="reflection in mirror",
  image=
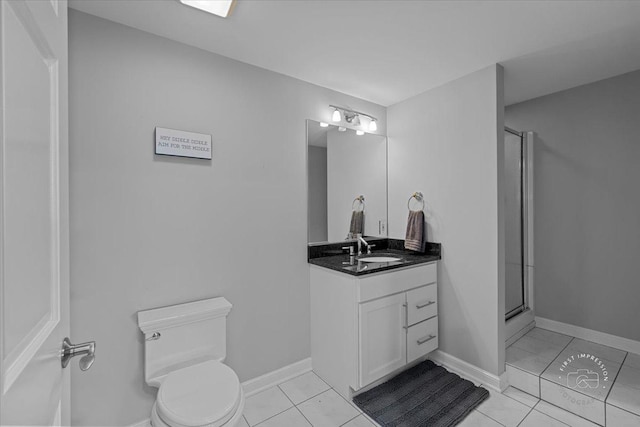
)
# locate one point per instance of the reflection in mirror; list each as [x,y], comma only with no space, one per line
[342,168]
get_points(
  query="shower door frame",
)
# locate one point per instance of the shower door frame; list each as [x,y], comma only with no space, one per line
[524,319]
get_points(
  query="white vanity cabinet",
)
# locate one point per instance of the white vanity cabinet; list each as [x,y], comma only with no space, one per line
[364,328]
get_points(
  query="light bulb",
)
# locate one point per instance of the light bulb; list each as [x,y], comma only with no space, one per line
[324,125]
[359,132]
[342,129]
[373,126]
[337,117]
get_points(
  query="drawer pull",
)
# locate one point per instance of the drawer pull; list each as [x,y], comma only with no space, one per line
[425,339]
[425,304]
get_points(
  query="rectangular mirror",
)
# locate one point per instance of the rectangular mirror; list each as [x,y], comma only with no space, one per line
[346,173]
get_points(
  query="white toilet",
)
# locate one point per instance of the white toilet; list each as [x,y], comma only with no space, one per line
[185,346]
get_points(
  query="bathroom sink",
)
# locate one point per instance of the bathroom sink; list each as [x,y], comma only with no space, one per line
[374,262]
[380,259]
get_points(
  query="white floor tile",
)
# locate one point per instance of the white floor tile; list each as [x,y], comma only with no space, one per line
[572,401]
[562,415]
[524,381]
[617,417]
[543,349]
[265,405]
[357,407]
[526,361]
[625,393]
[289,418]
[553,337]
[505,410]
[538,419]
[632,360]
[303,387]
[360,421]
[478,419]
[598,350]
[565,374]
[630,376]
[328,409]
[521,396]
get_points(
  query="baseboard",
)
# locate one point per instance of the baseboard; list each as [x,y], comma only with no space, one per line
[263,382]
[268,380]
[469,371]
[589,335]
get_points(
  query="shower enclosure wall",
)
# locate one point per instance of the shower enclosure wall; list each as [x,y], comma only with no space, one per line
[518,208]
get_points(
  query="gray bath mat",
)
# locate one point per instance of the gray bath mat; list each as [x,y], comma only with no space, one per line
[425,395]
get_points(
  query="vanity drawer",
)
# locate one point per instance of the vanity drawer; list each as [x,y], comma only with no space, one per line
[422,303]
[394,281]
[422,339]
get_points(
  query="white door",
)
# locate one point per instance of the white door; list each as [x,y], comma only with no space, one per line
[383,338]
[34,242]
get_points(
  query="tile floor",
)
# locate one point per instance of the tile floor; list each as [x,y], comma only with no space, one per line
[302,402]
[308,401]
[542,362]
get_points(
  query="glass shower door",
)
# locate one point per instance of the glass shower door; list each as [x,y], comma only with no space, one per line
[515,301]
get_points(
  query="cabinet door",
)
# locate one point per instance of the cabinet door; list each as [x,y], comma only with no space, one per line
[383,339]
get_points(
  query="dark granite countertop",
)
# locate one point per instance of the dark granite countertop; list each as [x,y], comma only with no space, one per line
[326,256]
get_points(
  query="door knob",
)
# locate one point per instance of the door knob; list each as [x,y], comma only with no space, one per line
[87,349]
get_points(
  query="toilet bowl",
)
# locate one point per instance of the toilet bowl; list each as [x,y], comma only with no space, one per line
[207,394]
[185,346]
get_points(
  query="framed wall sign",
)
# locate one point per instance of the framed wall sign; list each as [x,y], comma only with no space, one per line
[171,142]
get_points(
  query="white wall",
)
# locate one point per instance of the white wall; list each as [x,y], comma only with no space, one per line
[445,143]
[358,166]
[149,231]
[587,203]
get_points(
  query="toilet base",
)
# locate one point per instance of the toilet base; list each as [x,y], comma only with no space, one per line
[156,421]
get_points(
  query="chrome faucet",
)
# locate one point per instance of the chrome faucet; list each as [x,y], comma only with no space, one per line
[360,242]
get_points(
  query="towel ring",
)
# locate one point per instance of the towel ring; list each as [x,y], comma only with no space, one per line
[418,196]
[360,199]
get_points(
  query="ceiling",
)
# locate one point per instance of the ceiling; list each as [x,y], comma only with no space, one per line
[388,51]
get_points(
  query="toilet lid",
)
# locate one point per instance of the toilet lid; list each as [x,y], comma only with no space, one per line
[206,394]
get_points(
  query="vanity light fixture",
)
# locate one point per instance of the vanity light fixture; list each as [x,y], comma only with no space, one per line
[221,8]
[353,117]
[359,132]
[324,125]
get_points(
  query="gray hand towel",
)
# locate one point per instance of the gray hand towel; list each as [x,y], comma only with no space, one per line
[414,239]
[357,223]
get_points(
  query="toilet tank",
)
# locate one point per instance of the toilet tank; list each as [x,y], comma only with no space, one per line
[182,335]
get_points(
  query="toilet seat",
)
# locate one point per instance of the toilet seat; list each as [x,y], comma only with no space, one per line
[207,394]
